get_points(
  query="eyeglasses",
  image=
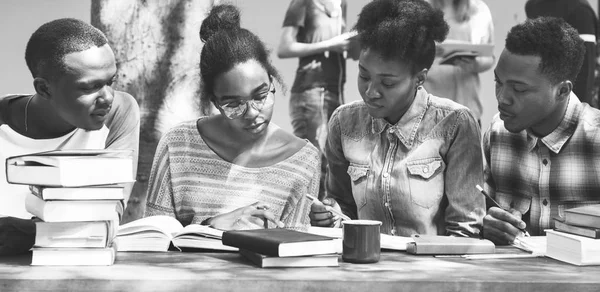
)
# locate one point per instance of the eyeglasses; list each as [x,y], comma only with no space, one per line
[238,108]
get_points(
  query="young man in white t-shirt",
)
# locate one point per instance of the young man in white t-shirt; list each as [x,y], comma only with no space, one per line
[73,107]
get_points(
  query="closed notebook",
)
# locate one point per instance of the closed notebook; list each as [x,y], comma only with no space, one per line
[71,168]
[280,242]
[101,192]
[63,211]
[156,233]
[573,249]
[263,261]
[73,256]
[590,232]
[587,216]
[74,234]
[434,244]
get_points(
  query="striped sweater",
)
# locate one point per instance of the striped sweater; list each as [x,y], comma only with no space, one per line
[190,182]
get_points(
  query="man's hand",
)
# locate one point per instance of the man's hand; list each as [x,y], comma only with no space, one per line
[320,214]
[502,227]
[255,216]
[17,236]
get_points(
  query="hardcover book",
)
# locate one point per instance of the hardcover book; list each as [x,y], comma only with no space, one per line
[101,192]
[587,216]
[156,233]
[71,168]
[590,232]
[73,256]
[74,234]
[573,249]
[280,242]
[434,244]
[263,261]
[63,211]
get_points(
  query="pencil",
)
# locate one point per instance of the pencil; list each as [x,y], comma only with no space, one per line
[329,208]
[481,190]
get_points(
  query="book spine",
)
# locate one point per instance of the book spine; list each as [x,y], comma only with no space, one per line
[260,245]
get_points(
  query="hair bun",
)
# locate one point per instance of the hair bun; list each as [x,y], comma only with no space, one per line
[221,17]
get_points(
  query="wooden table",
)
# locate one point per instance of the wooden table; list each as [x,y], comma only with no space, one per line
[176,271]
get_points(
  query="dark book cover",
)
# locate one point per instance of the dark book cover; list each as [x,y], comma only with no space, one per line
[279,242]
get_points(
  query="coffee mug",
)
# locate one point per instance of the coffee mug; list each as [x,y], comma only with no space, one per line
[362,241]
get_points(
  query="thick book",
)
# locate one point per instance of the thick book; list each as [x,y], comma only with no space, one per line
[455,50]
[573,249]
[587,216]
[264,261]
[156,233]
[577,230]
[73,256]
[71,168]
[74,234]
[101,192]
[280,242]
[63,211]
[435,244]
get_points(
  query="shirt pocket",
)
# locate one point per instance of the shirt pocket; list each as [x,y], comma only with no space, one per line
[426,181]
[521,203]
[358,175]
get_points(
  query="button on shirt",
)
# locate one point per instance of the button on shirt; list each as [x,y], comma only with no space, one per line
[543,176]
[417,176]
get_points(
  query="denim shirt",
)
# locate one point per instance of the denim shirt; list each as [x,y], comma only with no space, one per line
[417,176]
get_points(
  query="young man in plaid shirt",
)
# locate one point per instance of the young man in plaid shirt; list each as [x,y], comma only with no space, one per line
[542,150]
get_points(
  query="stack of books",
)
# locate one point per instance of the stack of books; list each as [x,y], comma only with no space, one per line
[278,247]
[76,194]
[576,239]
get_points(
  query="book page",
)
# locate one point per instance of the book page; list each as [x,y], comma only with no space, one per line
[200,230]
[162,224]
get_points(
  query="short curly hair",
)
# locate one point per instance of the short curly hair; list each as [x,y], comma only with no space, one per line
[402,29]
[52,41]
[552,39]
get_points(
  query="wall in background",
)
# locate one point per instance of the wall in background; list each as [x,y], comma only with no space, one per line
[19,18]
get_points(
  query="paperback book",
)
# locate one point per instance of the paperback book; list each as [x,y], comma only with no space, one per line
[263,261]
[63,211]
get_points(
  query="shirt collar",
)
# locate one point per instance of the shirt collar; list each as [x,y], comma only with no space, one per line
[406,128]
[557,138]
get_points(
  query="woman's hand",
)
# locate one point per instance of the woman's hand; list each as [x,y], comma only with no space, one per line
[255,216]
[321,216]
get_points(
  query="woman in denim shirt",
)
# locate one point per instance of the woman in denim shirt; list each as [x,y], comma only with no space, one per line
[402,156]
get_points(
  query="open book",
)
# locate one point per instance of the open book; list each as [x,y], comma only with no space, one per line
[454,50]
[155,233]
[388,242]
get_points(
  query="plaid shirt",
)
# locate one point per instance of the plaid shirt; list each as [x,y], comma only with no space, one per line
[541,177]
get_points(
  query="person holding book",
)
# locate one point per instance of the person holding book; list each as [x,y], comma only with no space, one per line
[401,155]
[73,107]
[313,31]
[470,22]
[542,150]
[236,169]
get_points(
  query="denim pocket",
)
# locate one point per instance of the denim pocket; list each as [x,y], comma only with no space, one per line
[426,182]
[358,175]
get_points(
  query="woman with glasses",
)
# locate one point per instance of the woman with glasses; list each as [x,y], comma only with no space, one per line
[401,155]
[236,169]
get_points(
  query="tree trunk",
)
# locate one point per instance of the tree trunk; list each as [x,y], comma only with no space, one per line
[157,47]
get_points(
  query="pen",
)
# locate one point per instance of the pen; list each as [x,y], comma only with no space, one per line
[481,190]
[332,210]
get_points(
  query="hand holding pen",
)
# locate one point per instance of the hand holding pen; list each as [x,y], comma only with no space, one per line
[326,213]
[502,225]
